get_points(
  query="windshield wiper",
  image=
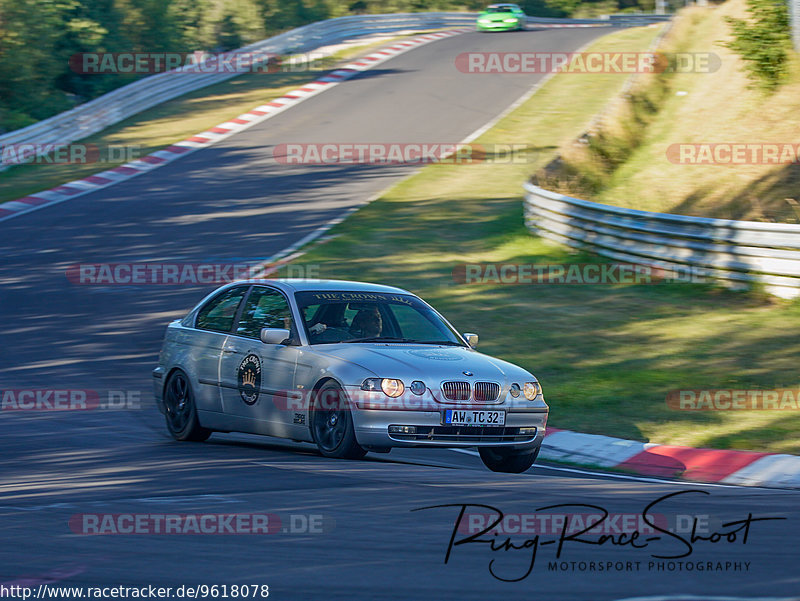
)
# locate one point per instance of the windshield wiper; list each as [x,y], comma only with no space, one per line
[407,340]
[378,339]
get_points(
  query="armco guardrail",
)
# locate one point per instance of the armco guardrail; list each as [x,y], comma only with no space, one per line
[97,114]
[734,251]
[636,18]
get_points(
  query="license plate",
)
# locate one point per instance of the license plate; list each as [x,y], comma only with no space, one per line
[469,417]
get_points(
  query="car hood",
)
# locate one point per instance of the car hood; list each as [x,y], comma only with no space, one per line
[430,363]
[497,16]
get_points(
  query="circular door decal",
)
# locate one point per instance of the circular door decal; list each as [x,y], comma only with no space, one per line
[249,378]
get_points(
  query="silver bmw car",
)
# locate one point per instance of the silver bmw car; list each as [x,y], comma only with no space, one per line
[349,366]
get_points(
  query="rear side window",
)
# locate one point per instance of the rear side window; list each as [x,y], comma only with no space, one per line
[218,313]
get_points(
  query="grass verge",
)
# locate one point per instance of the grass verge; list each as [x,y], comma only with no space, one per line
[632,160]
[607,355]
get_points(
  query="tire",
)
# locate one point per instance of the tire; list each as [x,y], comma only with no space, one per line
[509,461]
[332,424]
[181,411]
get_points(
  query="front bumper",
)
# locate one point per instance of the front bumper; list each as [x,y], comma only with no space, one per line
[497,26]
[372,430]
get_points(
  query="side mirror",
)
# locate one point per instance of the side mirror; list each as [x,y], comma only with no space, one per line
[472,339]
[274,335]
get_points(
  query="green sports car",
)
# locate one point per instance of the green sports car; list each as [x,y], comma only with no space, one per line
[501,17]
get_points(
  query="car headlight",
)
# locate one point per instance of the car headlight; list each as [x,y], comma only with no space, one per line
[509,20]
[515,390]
[531,390]
[390,387]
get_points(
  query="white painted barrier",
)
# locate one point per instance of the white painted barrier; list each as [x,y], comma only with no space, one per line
[734,251]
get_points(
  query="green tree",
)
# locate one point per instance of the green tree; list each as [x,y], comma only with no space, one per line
[229,36]
[86,27]
[763,41]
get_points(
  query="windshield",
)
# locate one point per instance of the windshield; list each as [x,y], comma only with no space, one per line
[353,317]
[499,9]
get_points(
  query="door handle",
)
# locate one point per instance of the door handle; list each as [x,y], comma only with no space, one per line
[228,351]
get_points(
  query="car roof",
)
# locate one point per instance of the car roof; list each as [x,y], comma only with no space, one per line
[303,285]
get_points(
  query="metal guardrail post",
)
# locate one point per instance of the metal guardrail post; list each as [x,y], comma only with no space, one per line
[794,21]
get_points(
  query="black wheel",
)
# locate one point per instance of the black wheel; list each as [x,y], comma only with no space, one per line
[332,424]
[181,412]
[510,461]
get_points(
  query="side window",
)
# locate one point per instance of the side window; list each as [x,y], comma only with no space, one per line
[265,308]
[218,314]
